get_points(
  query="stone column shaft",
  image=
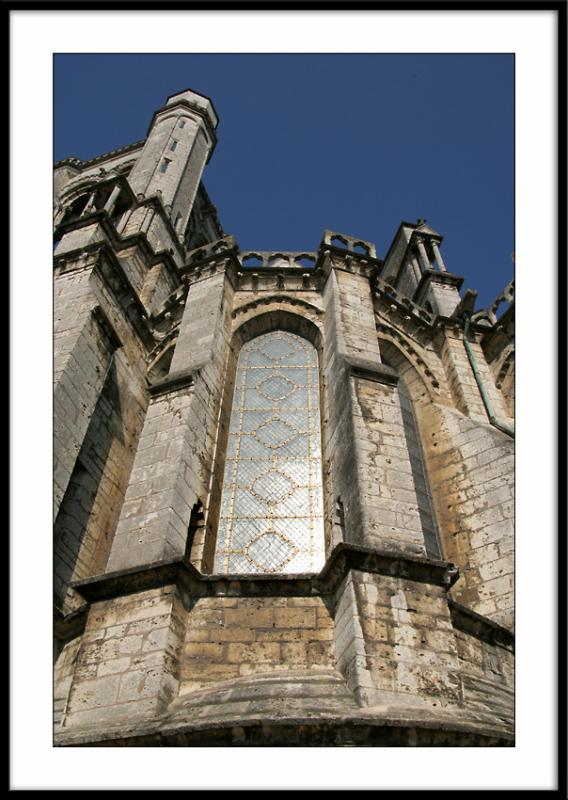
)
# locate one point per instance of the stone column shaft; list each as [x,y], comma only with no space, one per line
[110,203]
[438,257]
[90,205]
[423,255]
[416,269]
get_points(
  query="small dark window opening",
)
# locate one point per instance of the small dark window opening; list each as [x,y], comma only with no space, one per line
[173,145]
[165,164]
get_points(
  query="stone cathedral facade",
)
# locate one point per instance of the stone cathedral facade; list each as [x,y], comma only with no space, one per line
[283,482]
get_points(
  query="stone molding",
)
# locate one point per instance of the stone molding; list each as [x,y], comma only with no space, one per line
[277,298]
[173,383]
[74,161]
[344,557]
[301,731]
[222,261]
[481,627]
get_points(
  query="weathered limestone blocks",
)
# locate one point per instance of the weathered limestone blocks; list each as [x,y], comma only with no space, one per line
[90,234]
[317,693]
[63,674]
[379,650]
[206,323]
[394,641]
[472,467]
[164,483]
[460,377]
[90,507]
[463,386]
[401,654]
[179,143]
[172,466]
[127,664]
[387,482]
[230,637]
[83,350]
[348,303]
[487,677]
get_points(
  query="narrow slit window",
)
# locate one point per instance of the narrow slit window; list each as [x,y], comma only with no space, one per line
[165,164]
[271,518]
[173,145]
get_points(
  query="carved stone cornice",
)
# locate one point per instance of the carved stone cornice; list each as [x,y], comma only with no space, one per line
[275,280]
[224,262]
[335,258]
[407,308]
[79,163]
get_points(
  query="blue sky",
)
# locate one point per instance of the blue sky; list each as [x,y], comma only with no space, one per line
[354,143]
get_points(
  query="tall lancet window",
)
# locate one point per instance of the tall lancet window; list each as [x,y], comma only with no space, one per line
[271,518]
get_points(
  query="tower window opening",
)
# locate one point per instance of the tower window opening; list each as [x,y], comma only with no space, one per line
[173,145]
[165,164]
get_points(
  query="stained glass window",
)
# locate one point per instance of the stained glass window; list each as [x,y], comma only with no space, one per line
[271,518]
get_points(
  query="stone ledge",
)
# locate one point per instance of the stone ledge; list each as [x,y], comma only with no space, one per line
[481,627]
[344,558]
[331,729]
[179,380]
[371,370]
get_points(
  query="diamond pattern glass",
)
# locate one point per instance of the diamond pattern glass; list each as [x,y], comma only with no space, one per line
[272,507]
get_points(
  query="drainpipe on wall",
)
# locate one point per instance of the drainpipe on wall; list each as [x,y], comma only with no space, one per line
[502,426]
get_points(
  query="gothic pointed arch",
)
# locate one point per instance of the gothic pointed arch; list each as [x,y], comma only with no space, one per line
[266,504]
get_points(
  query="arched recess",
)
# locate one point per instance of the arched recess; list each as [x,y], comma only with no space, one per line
[421,387]
[273,322]
[418,415]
